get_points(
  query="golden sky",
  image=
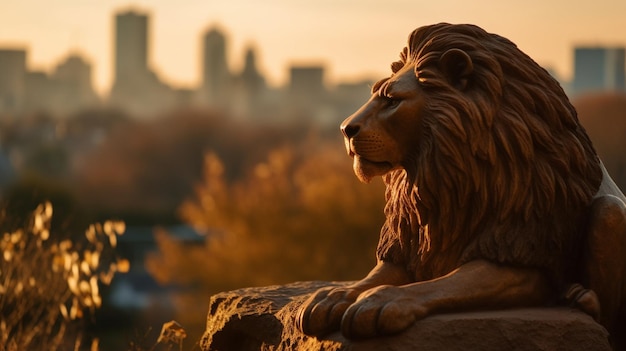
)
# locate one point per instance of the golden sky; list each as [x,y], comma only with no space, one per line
[353,38]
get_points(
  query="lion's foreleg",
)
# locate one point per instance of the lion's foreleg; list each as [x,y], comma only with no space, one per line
[321,313]
[475,285]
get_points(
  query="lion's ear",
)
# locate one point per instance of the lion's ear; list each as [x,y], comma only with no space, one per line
[457,66]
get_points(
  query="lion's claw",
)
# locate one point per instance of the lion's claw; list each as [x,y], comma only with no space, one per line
[379,312]
[583,299]
[321,313]
[359,322]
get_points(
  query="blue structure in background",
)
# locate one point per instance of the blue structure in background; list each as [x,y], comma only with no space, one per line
[599,69]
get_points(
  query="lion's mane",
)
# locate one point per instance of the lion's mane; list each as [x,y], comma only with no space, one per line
[504,171]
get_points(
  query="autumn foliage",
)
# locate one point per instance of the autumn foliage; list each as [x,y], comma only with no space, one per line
[48,287]
[298,215]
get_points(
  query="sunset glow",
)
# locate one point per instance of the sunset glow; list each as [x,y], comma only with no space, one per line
[352,38]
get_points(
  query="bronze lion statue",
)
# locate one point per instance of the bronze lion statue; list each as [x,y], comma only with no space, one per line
[495,197]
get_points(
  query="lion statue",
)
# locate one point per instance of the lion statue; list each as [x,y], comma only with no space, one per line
[495,197]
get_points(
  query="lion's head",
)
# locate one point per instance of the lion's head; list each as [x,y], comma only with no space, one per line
[482,154]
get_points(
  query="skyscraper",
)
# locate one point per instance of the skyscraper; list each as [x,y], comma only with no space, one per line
[216,77]
[131,45]
[253,81]
[599,69]
[136,88]
[12,79]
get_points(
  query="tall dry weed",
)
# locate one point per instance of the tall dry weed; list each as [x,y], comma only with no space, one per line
[48,287]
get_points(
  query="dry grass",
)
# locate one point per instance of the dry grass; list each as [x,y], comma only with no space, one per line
[48,287]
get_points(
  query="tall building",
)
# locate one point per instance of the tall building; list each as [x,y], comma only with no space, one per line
[216,77]
[249,92]
[131,46]
[12,79]
[136,87]
[252,80]
[599,69]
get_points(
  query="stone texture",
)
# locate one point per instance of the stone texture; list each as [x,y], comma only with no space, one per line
[263,319]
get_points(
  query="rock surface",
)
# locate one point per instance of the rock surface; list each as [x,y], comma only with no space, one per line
[263,319]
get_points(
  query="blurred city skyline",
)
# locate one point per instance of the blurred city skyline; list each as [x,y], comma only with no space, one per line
[352,39]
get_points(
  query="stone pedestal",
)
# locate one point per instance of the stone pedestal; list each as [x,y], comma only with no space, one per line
[263,319]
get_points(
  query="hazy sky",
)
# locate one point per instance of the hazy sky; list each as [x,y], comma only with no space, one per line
[352,37]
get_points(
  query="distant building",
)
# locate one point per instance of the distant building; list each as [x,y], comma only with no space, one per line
[250,90]
[136,87]
[131,47]
[12,80]
[252,80]
[40,91]
[599,69]
[66,90]
[308,95]
[216,77]
[75,71]
[307,81]
[74,89]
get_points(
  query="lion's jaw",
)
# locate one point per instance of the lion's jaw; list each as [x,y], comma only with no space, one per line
[380,135]
[365,169]
[372,153]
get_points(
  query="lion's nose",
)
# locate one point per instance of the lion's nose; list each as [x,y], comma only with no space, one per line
[350,130]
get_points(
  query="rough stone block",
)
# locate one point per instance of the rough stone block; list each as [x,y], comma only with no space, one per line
[263,319]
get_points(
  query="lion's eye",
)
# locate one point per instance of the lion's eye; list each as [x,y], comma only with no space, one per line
[392,102]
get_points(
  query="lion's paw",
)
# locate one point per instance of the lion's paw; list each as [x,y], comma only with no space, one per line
[384,310]
[321,313]
[583,299]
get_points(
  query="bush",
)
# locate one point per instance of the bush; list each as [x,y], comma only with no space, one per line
[48,286]
[299,215]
